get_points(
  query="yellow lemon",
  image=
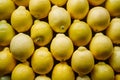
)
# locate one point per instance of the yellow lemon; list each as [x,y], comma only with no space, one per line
[113,31]
[59,19]
[78,9]
[80,33]
[62,71]
[82,61]
[22,47]
[61,47]
[7,62]
[6,33]
[85,77]
[22,72]
[101,46]
[117,76]
[59,2]
[42,61]
[113,6]
[98,18]
[102,71]
[114,59]
[6,9]
[22,2]
[96,2]
[21,19]
[42,77]
[39,8]
[41,33]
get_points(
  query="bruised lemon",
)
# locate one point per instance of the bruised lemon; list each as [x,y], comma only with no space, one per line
[82,61]
[21,19]
[22,72]
[95,21]
[61,47]
[113,31]
[42,77]
[7,62]
[6,9]
[62,71]
[113,7]
[96,2]
[80,33]
[22,2]
[41,33]
[42,61]
[59,2]
[39,8]
[6,33]
[59,19]
[114,59]
[102,71]
[101,46]
[22,47]
[78,9]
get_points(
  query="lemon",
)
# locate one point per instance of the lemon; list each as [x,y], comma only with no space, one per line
[22,72]
[59,2]
[80,33]
[117,76]
[61,47]
[113,7]
[6,9]
[101,46]
[42,61]
[85,77]
[6,77]
[22,2]
[21,19]
[7,62]
[39,8]
[113,31]
[6,33]
[42,77]
[82,61]
[102,71]
[96,2]
[114,59]
[40,31]
[22,47]
[62,71]
[98,18]
[59,19]
[78,9]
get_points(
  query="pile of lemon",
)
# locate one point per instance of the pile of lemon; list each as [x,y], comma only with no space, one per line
[59,39]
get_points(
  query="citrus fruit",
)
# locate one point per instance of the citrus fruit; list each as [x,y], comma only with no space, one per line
[22,2]
[42,61]
[6,33]
[114,59]
[59,2]
[61,47]
[6,77]
[113,31]
[85,77]
[6,9]
[21,19]
[39,8]
[113,7]
[78,9]
[82,61]
[22,72]
[59,19]
[22,47]
[101,46]
[102,71]
[62,71]
[42,77]
[96,2]
[117,76]
[94,19]
[40,31]
[7,62]
[80,33]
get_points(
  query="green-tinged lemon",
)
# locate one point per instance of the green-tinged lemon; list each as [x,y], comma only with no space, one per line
[42,77]
[85,77]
